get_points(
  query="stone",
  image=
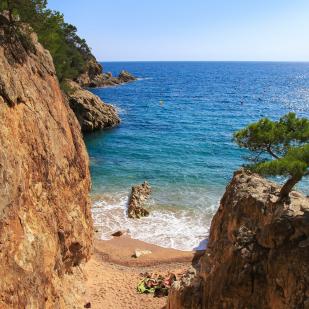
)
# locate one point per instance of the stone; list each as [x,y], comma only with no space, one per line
[92,113]
[126,77]
[139,195]
[93,76]
[139,252]
[118,234]
[253,259]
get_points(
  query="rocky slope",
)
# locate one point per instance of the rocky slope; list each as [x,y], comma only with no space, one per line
[93,76]
[258,252]
[91,112]
[45,220]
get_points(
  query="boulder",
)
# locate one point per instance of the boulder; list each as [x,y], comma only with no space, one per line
[93,76]
[92,113]
[139,195]
[257,255]
[125,77]
[139,252]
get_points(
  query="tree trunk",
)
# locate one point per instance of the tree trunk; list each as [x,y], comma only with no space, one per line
[288,186]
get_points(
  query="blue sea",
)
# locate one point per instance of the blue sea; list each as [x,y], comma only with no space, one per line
[178,119]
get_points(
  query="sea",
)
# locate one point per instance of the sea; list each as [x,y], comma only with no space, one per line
[176,132]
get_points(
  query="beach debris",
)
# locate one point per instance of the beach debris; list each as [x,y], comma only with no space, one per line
[139,195]
[139,252]
[87,305]
[156,284]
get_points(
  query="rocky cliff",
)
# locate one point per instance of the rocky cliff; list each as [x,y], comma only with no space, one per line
[258,252]
[91,112]
[45,220]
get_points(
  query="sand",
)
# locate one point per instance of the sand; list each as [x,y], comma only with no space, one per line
[112,274]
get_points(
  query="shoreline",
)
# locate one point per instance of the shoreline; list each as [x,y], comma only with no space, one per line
[120,250]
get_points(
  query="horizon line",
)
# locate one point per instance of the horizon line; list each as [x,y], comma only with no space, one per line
[274,61]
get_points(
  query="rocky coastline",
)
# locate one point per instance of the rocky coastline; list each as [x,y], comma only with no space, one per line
[257,255]
[93,76]
[92,113]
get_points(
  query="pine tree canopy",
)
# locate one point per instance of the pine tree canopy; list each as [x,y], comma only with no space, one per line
[279,147]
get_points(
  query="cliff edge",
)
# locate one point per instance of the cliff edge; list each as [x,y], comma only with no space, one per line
[45,220]
[257,255]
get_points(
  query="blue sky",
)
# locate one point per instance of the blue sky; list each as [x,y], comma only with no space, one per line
[263,30]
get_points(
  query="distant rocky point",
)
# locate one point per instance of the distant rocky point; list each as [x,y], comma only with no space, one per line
[92,113]
[93,76]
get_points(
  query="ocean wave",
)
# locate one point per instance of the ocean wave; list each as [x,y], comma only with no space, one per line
[178,228]
[144,78]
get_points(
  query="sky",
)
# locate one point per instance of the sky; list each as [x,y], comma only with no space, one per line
[191,30]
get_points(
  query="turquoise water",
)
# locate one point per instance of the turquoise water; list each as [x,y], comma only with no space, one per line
[176,131]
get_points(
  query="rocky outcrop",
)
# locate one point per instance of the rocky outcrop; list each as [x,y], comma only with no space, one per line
[91,112]
[92,69]
[258,251]
[45,220]
[93,76]
[139,195]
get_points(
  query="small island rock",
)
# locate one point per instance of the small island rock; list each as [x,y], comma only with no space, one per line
[139,194]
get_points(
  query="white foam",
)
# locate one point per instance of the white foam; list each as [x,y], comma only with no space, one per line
[179,229]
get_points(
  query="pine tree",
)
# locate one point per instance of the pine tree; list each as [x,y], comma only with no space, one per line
[280,148]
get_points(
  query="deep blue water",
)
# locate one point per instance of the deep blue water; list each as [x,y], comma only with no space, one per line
[176,133]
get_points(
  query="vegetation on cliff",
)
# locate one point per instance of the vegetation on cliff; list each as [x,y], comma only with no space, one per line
[70,53]
[285,141]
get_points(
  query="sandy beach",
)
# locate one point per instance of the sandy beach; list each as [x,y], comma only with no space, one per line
[112,274]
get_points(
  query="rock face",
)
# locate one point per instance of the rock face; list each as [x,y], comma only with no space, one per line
[258,251]
[91,112]
[45,220]
[139,194]
[94,76]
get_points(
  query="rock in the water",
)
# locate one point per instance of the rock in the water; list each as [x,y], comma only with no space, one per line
[91,112]
[139,194]
[139,252]
[126,77]
[118,233]
[256,256]
[93,76]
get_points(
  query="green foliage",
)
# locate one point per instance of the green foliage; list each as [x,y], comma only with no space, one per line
[281,147]
[294,163]
[68,50]
[273,137]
